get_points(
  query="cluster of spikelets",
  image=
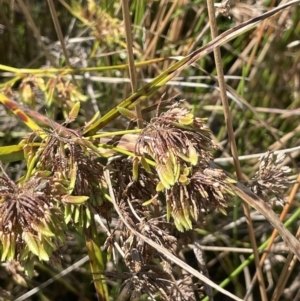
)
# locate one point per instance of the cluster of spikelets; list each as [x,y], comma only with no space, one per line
[180,184]
[271,179]
[63,184]
[171,176]
[168,183]
[181,146]
[30,223]
[143,208]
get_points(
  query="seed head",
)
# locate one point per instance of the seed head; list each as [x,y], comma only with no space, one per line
[202,190]
[175,140]
[30,224]
[271,177]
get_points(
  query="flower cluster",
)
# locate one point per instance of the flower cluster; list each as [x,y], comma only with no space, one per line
[30,223]
[181,146]
[271,177]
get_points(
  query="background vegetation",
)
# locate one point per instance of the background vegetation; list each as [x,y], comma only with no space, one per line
[55,55]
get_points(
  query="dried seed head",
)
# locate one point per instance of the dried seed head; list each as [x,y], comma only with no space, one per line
[131,195]
[271,178]
[150,280]
[30,224]
[127,186]
[175,140]
[205,189]
[181,146]
[77,176]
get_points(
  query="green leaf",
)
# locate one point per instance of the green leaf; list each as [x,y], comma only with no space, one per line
[42,253]
[25,253]
[82,219]
[176,172]
[178,225]
[230,180]
[160,187]
[193,156]
[5,239]
[76,214]
[186,171]
[76,96]
[94,118]
[88,216]
[149,201]
[42,229]
[48,244]
[135,168]
[183,179]
[223,211]
[186,212]
[28,268]
[12,248]
[73,174]
[176,166]
[74,199]
[183,157]
[68,213]
[74,112]
[170,171]
[187,119]
[165,175]
[182,224]
[145,164]
[127,113]
[40,83]
[31,243]
[11,153]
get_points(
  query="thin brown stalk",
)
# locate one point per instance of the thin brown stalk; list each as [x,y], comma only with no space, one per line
[63,273]
[161,25]
[257,203]
[271,36]
[58,31]
[34,29]
[177,24]
[202,265]
[285,274]
[222,85]
[132,70]
[275,232]
[11,25]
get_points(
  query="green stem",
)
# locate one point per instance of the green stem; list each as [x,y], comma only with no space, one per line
[96,261]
